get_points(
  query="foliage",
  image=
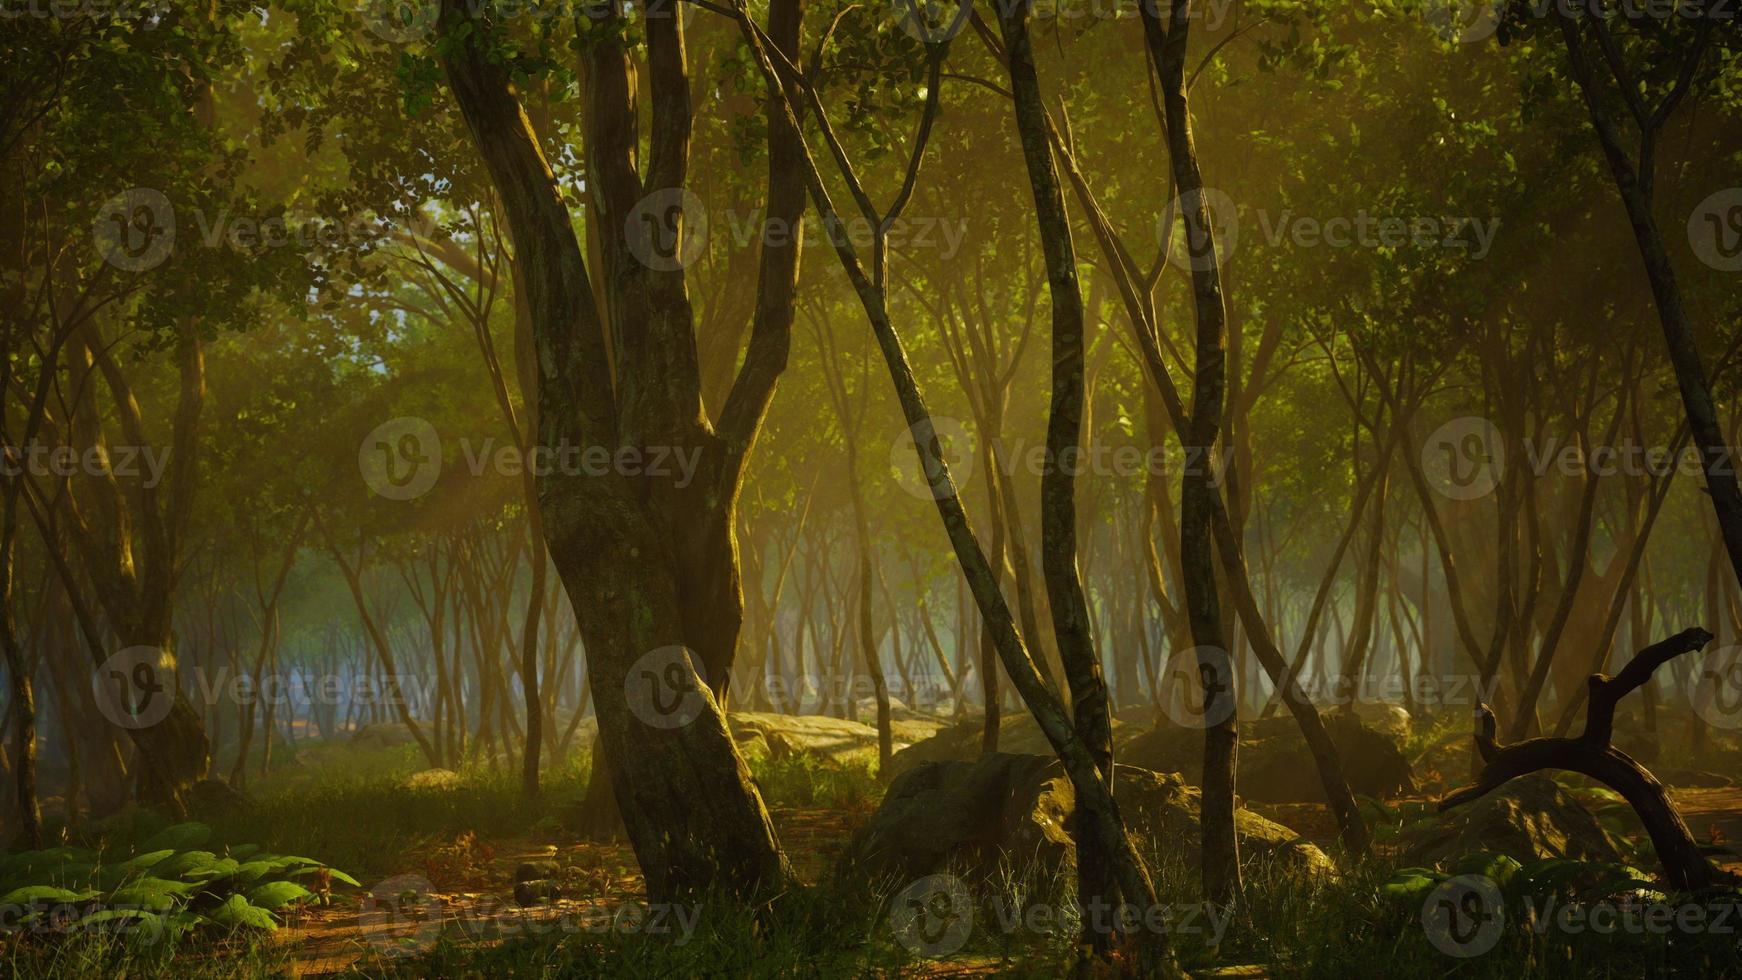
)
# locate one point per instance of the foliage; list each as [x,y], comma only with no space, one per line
[168,887]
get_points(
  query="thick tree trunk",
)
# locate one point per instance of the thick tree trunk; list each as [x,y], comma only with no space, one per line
[650,574]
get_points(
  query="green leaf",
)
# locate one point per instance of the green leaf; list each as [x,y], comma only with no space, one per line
[45,895]
[217,869]
[155,894]
[278,894]
[237,913]
[183,864]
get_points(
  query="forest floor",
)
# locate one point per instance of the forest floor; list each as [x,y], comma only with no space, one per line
[455,847]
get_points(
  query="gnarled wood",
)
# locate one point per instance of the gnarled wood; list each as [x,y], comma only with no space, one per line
[1591,753]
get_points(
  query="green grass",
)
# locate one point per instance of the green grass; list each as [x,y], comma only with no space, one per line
[355,814]
[806,781]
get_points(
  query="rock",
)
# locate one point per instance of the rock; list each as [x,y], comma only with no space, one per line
[1390,720]
[1279,768]
[536,892]
[834,739]
[432,779]
[960,742]
[1275,764]
[940,812]
[534,870]
[1013,810]
[213,798]
[1163,811]
[385,735]
[1527,819]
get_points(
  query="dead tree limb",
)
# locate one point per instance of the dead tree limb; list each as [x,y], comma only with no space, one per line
[1591,753]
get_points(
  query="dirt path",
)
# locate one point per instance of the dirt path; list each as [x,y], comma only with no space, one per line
[468,885]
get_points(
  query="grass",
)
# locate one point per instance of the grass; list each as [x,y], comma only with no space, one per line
[358,816]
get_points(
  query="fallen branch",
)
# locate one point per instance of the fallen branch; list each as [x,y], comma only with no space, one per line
[1591,753]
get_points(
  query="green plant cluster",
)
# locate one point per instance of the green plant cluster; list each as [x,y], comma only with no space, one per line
[168,887]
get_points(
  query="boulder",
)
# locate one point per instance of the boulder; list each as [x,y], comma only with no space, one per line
[960,742]
[1388,719]
[1010,810]
[385,735]
[1276,766]
[834,739]
[1528,819]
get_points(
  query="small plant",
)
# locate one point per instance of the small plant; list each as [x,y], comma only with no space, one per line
[168,887]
